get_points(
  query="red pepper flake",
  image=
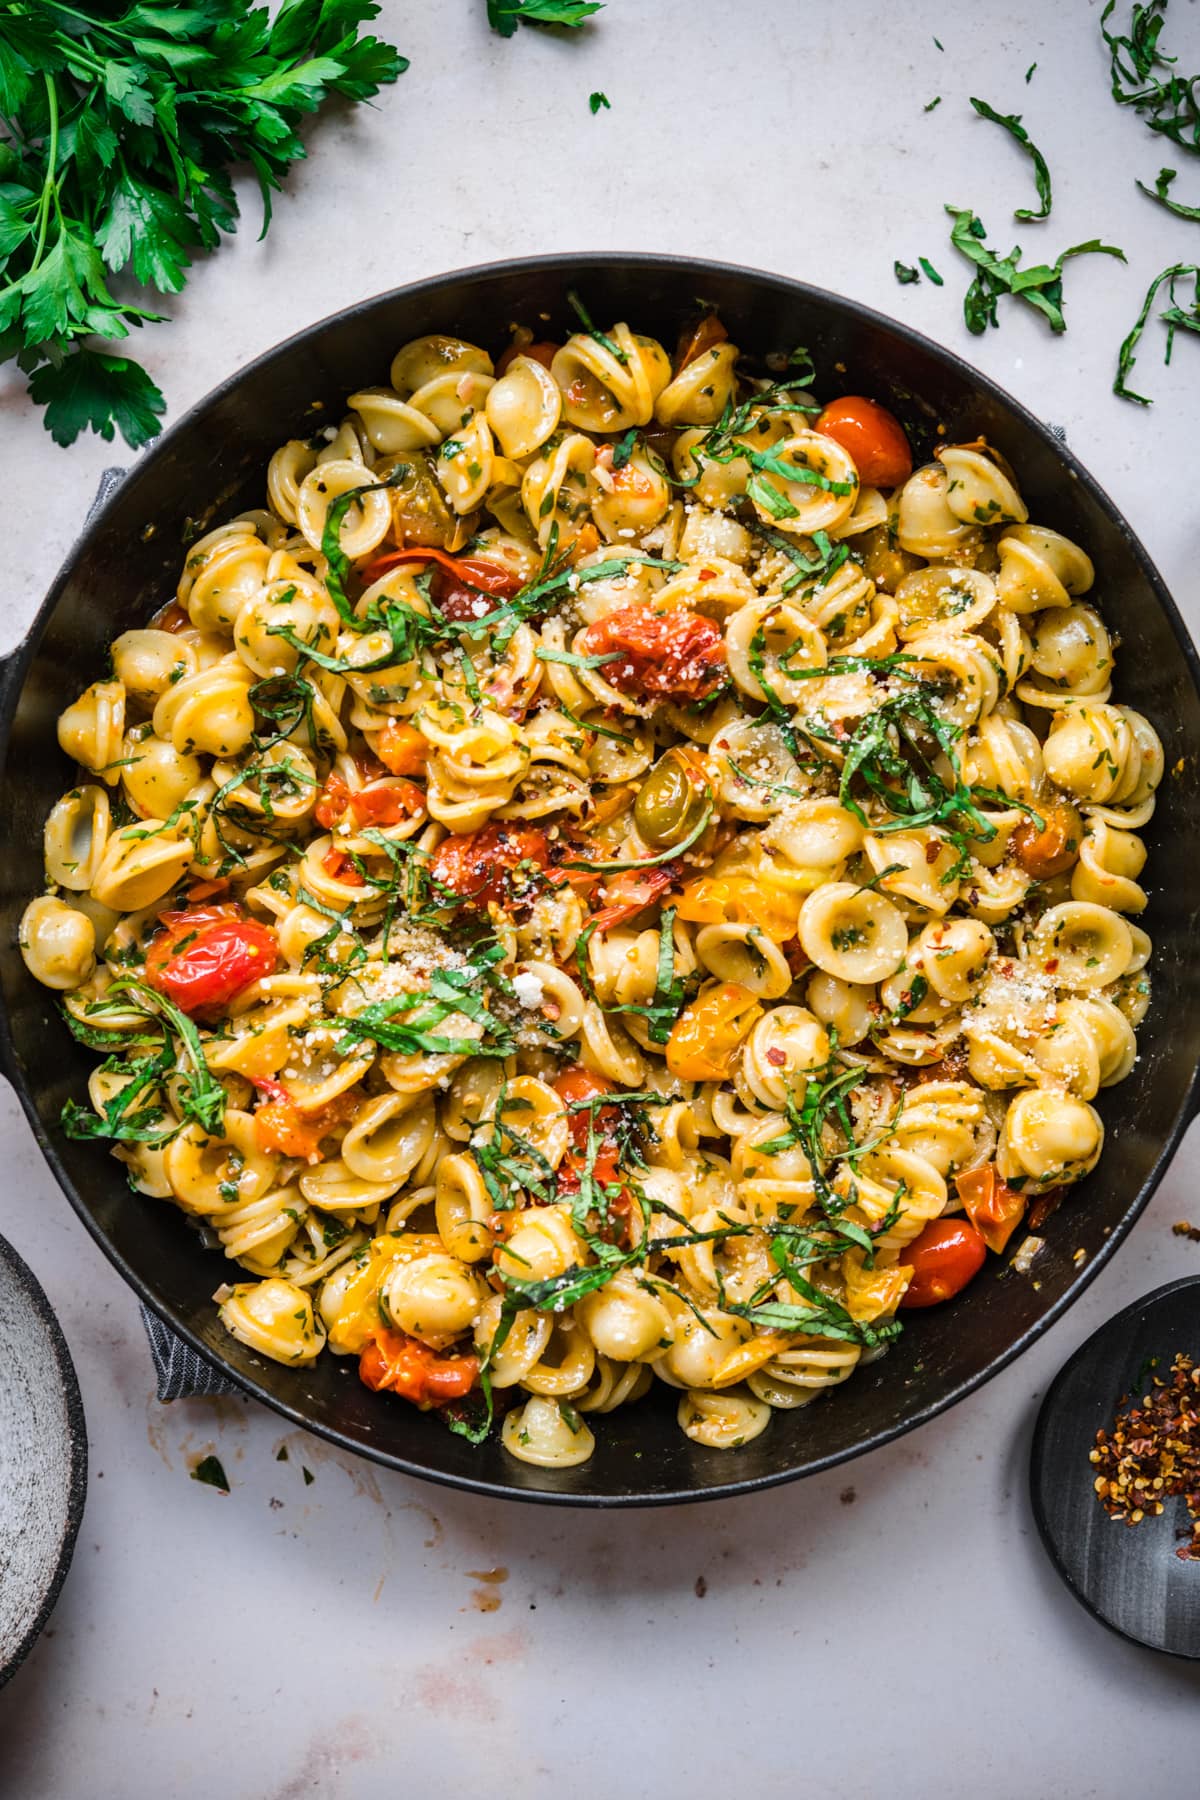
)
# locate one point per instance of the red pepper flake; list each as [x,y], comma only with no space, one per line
[777,1057]
[1052,965]
[1152,1453]
[933,850]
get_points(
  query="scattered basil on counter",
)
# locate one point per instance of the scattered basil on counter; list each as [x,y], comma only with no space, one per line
[1011,122]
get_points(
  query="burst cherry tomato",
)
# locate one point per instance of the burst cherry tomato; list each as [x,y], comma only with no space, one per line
[678,653]
[707,1035]
[281,1129]
[464,587]
[403,749]
[704,336]
[1052,848]
[483,866]
[948,1254]
[339,866]
[994,1209]
[631,892]
[405,1366]
[331,801]
[872,435]
[203,961]
[541,352]
[577,1084]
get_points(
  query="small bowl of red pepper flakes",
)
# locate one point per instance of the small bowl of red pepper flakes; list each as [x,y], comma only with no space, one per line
[1117,1443]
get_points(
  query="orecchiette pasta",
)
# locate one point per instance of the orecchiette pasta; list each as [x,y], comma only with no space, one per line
[609,881]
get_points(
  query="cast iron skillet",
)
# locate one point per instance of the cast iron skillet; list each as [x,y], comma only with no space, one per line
[212,464]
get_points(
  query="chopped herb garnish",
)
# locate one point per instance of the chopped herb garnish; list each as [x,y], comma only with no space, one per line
[930,271]
[1039,286]
[1174,316]
[598,102]
[1041,174]
[906,275]
[209,1471]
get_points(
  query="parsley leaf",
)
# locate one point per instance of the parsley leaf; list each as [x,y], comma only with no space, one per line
[505,17]
[122,126]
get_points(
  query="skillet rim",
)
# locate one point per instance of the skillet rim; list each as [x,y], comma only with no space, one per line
[15,667]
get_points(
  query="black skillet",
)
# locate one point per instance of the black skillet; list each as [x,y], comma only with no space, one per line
[212,464]
[1128,1577]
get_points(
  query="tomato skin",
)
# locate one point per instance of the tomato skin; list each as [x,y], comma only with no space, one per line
[994,1209]
[402,1365]
[460,582]
[403,750]
[331,802]
[540,352]
[872,435]
[708,1034]
[944,1258]
[631,892]
[281,1129]
[678,654]
[224,955]
[338,866]
[576,1084]
[706,335]
[478,865]
[386,803]
[1055,848]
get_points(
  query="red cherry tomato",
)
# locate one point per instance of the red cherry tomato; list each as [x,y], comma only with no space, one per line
[386,803]
[948,1254]
[872,435]
[479,866]
[405,1366]
[577,1084]
[463,586]
[201,964]
[678,653]
[331,802]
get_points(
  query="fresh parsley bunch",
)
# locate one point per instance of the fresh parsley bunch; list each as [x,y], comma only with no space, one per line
[121,125]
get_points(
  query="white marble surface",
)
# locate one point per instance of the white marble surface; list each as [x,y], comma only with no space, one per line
[329,1638]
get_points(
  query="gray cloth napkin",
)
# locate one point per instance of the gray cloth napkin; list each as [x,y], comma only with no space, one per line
[181,1373]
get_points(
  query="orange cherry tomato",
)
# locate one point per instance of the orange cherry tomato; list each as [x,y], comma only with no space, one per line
[711,899]
[281,1129]
[992,1206]
[403,749]
[209,954]
[948,1254]
[704,336]
[576,1084]
[402,1365]
[1054,848]
[708,1034]
[872,435]
[679,654]
[482,866]
[541,352]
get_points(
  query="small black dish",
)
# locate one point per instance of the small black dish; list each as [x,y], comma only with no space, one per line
[1128,1578]
[43,1460]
